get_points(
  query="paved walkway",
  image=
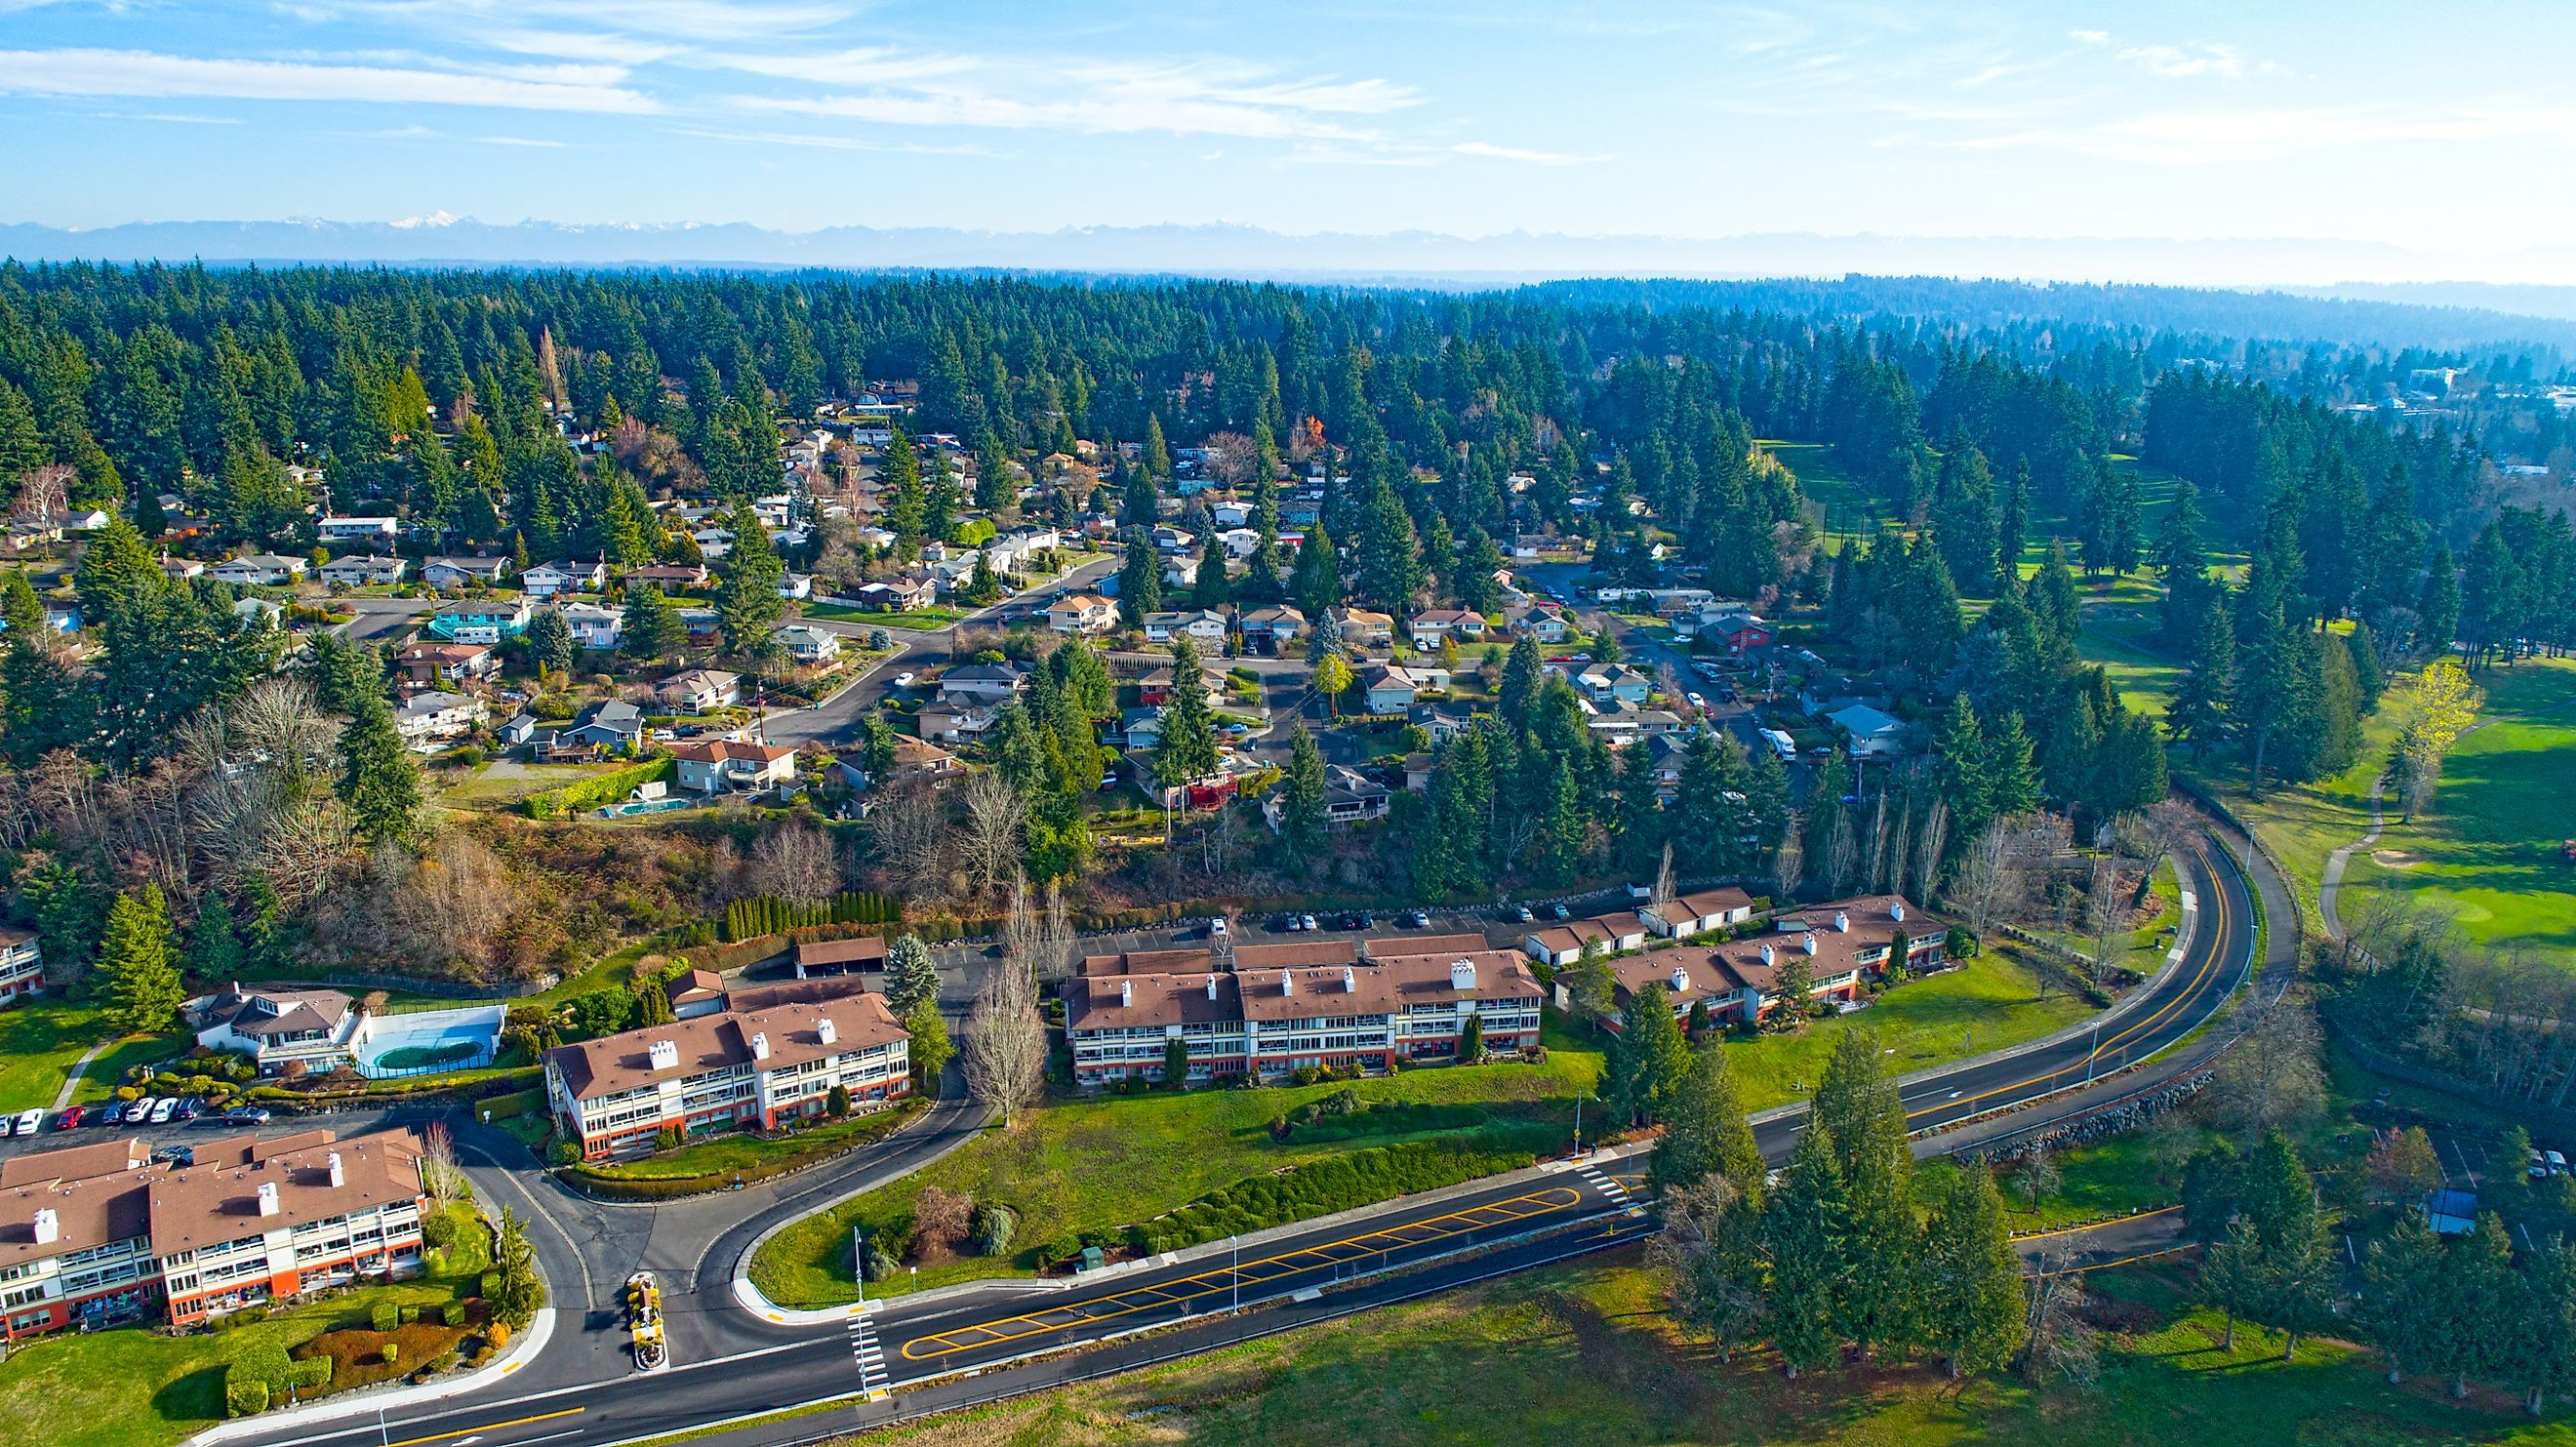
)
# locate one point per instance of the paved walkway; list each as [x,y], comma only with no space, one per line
[71,1082]
[2330,883]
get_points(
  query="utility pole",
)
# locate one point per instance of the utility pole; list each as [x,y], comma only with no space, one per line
[859,1260]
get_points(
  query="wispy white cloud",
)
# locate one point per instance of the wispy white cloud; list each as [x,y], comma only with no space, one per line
[2212,137]
[2193,62]
[1225,98]
[830,142]
[148,73]
[705,22]
[538,142]
[1514,153]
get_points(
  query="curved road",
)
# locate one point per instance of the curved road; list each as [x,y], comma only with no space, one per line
[951,1348]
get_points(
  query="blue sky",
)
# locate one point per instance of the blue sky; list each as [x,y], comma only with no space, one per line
[2415,124]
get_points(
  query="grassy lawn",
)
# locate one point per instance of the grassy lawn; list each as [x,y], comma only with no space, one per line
[1992,1003]
[918,619]
[1096,1164]
[502,783]
[42,1038]
[1582,1354]
[738,1151]
[2488,853]
[132,1388]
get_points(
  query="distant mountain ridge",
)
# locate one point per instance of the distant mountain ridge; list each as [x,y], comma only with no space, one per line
[2048,270]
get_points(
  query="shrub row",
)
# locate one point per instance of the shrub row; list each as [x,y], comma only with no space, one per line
[764,915]
[593,793]
[606,1185]
[264,1376]
[1329,1125]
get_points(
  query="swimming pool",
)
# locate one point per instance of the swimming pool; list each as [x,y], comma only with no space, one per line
[427,1041]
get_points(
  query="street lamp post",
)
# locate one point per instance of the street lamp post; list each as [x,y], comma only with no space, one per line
[859,1260]
[2094,1051]
[1234,1272]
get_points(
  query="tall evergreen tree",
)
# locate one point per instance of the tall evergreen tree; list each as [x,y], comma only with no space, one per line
[1706,1133]
[1807,1224]
[1649,1058]
[379,780]
[1301,799]
[1186,751]
[1970,1277]
[138,964]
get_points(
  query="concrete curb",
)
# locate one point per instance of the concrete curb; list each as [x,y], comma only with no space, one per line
[750,1297]
[366,1403]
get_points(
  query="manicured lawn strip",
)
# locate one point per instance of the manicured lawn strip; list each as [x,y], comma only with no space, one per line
[41,1038]
[132,1388]
[725,1154]
[917,619]
[1582,1355]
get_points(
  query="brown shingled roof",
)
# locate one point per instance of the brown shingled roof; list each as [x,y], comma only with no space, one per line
[208,1205]
[617,1063]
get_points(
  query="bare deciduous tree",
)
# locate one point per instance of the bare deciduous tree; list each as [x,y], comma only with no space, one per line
[1004,1053]
[910,826]
[2060,1343]
[1984,885]
[1789,863]
[456,900]
[796,863]
[2270,1076]
[440,1177]
[990,840]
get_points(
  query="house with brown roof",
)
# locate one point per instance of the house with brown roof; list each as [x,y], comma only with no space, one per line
[815,958]
[716,766]
[1699,911]
[276,1028]
[1840,945]
[1269,1020]
[1563,944]
[755,1068]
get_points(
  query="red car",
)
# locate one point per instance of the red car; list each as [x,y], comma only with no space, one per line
[68,1119]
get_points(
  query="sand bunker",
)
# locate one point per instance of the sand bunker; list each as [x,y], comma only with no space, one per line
[2395,858]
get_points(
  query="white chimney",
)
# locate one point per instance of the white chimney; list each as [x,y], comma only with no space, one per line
[1681,980]
[825,1031]
[1350,980]
[1896,910]
[1809,942]
[1126,993]
[663,1054]
[1211,987]
[339,1173]
[1768,957]
[1462,974]
[268,1198]
[1842,922]
[49,1227]
[1287,982]
[760,1045]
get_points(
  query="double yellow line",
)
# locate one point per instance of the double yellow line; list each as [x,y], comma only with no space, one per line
[2217,912]
[488,1427]
[1220,1282]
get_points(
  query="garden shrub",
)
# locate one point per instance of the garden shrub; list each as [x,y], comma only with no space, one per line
[313,1372]
[392,1353]
[244,1397]
[385,1316]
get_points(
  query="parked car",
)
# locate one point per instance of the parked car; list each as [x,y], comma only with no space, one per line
[1418,919]
[5,1132]
[1307,921]
[1558,911]
[904,680]
[176,1155]
[70,1118]
[163,1109]
[2557,1164]
[138,1111]
[246,1115]
[187,1110]
[1356,921]
[1285,924]
[1216,929]
[1696,701]
[1523,914]
[30,1122]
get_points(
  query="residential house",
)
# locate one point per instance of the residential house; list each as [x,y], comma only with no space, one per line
[951,723]
[1140,729]
[699,690]
[694,993]
[1082,613]
[1874,735]
[518,729]
[1840,944]
[1362,628]
[259,570]
[428,720]
[1562,945]
[251,610]
[110,1235]
[593,626]
[1541,622]
[670,577]
[564,575]
[372,531]
[982,682]
[1699,911]
[429,664]
[728,1068]
[359,570]
[1391,688]
[897,595]
[808,644]
[315,1030]
[1350,798]
[1605,683]
[1366,1014]
[487,621]
[1740,631]
[701,624]
[1200,625]
[1432,625]
[1239,543]
[822,959]
[22,965]
[1275,627]
[796,587]
[613,726]
[718,766]
[464,572]
[180,570]
[1442,720]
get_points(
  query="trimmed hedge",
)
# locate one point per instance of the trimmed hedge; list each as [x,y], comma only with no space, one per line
[593,1181]
[763,915]
[596,792]
[257,1378]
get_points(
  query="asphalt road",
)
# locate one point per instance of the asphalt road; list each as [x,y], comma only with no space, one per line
[960,1347]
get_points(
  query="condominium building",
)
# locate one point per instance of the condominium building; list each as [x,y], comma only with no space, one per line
[1839,944]
[103,1233]
[761,1067]
[1364,1013]
[22,965]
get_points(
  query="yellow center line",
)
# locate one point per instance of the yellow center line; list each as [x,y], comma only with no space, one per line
[2096,1226]
[2222,919]
[1219,1282]
[489,1427]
